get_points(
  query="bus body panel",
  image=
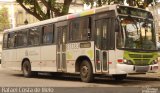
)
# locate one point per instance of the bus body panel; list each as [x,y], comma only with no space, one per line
[9,58]
[112,61]
[32,54]
[76,50]
[124,68]
[48,58]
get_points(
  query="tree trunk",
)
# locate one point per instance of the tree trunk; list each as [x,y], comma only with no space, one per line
[66,5]
[131,2]
[65,8]
[99,2]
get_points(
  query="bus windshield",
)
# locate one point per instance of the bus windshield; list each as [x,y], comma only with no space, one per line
[136,33]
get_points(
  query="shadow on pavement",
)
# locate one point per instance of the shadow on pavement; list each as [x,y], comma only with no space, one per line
[130,80]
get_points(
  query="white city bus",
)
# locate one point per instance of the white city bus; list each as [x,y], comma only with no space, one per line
[111,40]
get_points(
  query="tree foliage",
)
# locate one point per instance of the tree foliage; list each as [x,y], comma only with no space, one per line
[102,2]
[45,9]
[4,21]
[139,3]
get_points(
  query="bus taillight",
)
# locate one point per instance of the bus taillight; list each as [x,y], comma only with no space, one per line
[109,62]
[98,61]
[120,60]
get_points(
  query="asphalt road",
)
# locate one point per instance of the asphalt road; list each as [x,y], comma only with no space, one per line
[10,78]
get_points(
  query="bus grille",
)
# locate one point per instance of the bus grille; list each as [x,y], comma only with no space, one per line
[141,59]
[141,62]
[140,56]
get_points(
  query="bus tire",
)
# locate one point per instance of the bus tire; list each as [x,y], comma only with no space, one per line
[119,77]
[86,72]
[26,68]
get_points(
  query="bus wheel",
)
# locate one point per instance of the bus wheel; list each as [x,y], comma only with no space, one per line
[119,77]
[26,67]
[86,71]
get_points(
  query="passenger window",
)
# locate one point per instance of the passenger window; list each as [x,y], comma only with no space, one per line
[22,38]
[102,33]
[5,38]
[80,29]
[47,34]
[11,40]
[34,37]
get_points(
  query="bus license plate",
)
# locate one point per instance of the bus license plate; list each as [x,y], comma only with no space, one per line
[141,68]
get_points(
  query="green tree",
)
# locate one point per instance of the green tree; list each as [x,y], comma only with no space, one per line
[52,7]
[57,8]
[4,21]
[99,3]
[139,3]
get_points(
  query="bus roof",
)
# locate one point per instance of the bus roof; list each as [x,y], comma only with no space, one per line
[65,17]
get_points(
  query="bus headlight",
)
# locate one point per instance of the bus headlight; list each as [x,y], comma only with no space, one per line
[128,62]
[154,61]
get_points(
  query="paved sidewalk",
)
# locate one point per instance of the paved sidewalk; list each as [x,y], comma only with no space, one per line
[153,74]
[2,68]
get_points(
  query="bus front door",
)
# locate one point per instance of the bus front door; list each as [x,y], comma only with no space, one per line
[61,29]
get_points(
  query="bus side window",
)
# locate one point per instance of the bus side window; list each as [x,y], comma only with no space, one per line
[5,38]
[47,34]
[34,37]
[104,33]
[80,29]
[22,38]
[11,40]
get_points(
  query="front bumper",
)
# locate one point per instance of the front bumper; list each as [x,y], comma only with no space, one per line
[124,68]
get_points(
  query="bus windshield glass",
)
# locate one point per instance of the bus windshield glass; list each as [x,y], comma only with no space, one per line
[136,33]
